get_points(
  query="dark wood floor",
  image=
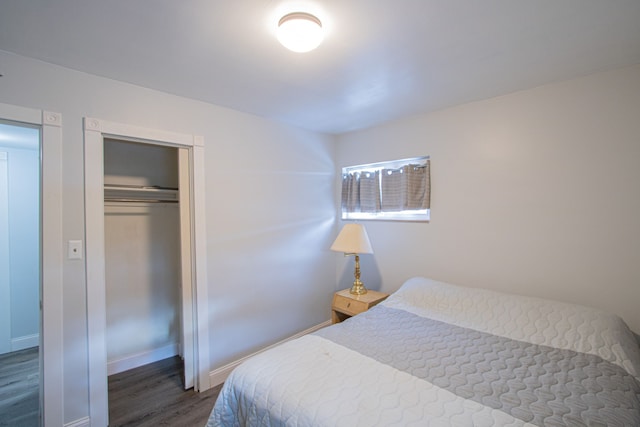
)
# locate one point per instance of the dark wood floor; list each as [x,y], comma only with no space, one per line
[153,395]
[150,395]
[20,388]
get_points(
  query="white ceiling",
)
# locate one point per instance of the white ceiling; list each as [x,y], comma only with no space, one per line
[381,59]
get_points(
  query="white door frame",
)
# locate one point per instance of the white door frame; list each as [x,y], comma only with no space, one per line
[95,130]
[5,276]
[51,250]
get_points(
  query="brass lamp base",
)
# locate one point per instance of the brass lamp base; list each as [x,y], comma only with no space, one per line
[358,287]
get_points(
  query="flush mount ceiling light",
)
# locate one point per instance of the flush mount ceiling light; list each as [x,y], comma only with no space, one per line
[300,31]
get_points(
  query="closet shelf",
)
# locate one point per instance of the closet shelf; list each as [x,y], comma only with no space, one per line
[137,193]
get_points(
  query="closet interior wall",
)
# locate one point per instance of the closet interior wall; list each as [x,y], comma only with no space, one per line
[142,254]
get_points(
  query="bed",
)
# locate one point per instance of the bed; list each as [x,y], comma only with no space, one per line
[435,354]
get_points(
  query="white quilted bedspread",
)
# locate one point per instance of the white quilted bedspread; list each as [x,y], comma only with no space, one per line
[534,320]
[337,387]
[324,380]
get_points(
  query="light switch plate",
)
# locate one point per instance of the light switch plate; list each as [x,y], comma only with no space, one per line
[75,249]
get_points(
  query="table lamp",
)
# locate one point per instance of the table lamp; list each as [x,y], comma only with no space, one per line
[353,240]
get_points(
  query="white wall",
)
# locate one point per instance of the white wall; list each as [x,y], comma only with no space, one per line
[536,193]
[270,210]
[142,269]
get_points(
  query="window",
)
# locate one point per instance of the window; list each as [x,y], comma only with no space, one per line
[395,190]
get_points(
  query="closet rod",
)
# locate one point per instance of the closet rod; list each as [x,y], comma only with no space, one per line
[140,194]
[139,187]
[140,200]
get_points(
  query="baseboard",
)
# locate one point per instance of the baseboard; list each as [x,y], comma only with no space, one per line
[141,359]
[218,376]
[26,341]
[82,422]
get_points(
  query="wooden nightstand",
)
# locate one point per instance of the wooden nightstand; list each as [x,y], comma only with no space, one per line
[346,304]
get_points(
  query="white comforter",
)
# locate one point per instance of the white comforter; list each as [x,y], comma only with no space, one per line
[319,380]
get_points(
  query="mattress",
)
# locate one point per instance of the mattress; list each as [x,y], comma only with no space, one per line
[435,354]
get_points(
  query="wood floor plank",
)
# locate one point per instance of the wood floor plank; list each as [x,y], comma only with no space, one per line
[153,395]
[20,388]
[150,395]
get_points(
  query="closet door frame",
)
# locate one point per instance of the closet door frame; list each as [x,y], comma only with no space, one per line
[191,149]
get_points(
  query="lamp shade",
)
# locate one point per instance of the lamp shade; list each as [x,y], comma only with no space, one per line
[353,239]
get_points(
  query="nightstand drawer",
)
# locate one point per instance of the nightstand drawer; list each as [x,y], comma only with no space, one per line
[348,305]
[345,304]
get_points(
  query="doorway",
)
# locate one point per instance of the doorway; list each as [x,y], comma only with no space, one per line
[194,345]
[19,273]
[48,341]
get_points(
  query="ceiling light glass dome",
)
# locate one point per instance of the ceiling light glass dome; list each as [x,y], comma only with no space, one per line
[300,31]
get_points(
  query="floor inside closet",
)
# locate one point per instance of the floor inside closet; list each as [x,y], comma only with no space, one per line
[153,395]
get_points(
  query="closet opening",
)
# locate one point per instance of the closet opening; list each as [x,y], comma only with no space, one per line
[142,254]
[145,252]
